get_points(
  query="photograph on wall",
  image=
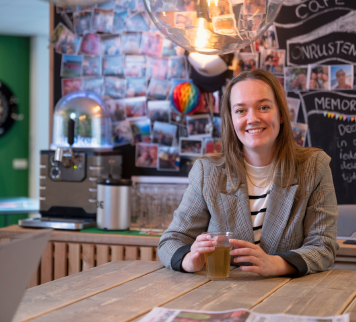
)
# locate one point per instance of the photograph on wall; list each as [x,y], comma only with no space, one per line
[254,7]
[136,22]
[64,41]
[70,85]
[212,145]
[110,45]
[117,109]
[198,125]
[299,133]
[146,155]
[151,44]
[136,86]
[102,20]
[131,42]
[135,66]
[94,85]
[296,78]
[91,65]
[177,67]
[209,103]
[217,127]
[114,87]
[280,79]
[119,22]
[341,76]
[170,49]
[186,19]
[141,130]
[109,5]
[82,21]
[164,133]
[125,5]
[113,65]
[225,24]
[293,108]
[121,133]
[190,146]
[268,39]
[135,107]
[319,77]
[273,61]
[71,65]
[246,62]
[157,67]
[177,118]
[159,111]
[90,44]
[168,159]
[158,88]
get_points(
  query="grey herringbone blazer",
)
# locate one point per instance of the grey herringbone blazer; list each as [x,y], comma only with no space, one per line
[303,220]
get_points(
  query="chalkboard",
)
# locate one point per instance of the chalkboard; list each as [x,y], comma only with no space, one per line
[324,32]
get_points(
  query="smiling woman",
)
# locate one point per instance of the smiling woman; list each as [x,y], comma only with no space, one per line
[277,198]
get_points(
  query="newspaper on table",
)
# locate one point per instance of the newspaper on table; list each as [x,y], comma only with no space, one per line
[159,314]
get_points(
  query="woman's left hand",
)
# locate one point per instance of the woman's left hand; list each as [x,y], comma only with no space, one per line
[263,264]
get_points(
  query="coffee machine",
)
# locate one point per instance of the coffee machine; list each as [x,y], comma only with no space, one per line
[81,154]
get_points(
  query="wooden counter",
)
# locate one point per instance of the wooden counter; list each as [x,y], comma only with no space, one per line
[125,291]
[70,252]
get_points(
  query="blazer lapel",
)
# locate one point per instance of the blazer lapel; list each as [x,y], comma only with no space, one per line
[237,211]
[278,210]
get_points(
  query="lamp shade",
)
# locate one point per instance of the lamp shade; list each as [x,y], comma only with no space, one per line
[213,26]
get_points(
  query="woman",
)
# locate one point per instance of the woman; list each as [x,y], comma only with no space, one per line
[278,198]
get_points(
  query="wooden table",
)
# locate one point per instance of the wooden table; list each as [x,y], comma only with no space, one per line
[70,252]
[126,290]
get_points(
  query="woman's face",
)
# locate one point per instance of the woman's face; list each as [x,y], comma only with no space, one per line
[255,116]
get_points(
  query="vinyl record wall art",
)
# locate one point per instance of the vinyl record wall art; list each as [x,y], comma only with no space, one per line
[8,108]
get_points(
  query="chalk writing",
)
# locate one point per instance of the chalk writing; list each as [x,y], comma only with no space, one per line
[335,104]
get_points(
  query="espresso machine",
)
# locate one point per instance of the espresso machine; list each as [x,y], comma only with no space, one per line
[81,154]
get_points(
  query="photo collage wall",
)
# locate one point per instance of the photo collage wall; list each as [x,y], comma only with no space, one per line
[114,50]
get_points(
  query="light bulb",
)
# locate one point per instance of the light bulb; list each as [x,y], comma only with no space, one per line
[203,35]
[213,26]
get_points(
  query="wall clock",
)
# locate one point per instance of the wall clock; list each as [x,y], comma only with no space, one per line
[8,108]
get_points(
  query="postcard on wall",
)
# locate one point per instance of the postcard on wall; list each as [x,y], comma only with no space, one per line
[146,155]
[190,146]
[94,85]
[71,66]
[168,159]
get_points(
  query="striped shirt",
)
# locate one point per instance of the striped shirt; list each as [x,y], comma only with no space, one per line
[257,176]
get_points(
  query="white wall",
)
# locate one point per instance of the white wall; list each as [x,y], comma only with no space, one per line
[39,108]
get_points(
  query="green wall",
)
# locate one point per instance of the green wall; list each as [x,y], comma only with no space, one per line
[15,73]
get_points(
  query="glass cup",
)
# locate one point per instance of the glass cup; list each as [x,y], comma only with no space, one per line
[218,261]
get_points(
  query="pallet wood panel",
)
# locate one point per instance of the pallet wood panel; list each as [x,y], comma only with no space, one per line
[102,254]
[146,253]
[129,300]
[322,294]
[74,259]
[239,290]
[131,253]
[117,253]
[60,260]
[50,296]
[47,264]
[88,256]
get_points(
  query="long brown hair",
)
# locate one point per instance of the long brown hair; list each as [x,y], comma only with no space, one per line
[288,155]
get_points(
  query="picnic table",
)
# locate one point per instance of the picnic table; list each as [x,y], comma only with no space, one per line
[123,291]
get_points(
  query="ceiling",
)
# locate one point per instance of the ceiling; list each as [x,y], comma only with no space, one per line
[24,17]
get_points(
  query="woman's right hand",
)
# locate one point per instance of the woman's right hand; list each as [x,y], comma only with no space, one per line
[194,260]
